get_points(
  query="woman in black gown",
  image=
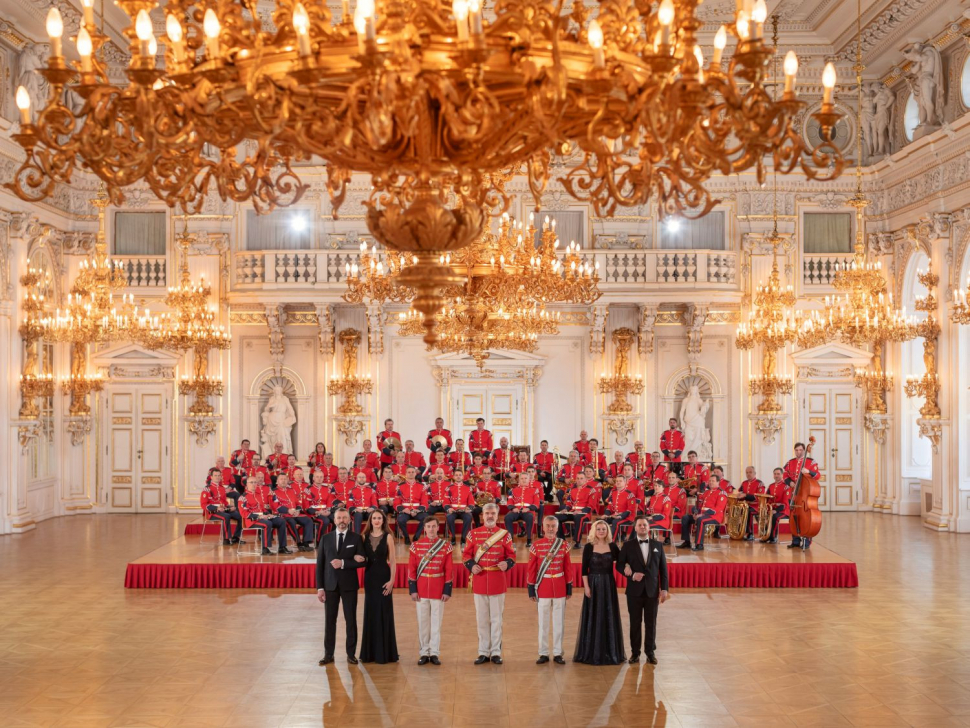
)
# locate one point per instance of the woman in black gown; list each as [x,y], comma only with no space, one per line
[379,643]
[600,640]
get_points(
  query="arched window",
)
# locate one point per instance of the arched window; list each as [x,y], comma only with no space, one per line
[965,82]
[910,117]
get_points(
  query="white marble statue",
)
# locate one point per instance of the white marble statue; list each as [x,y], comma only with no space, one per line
[278,419]
[693,418]
[33,57]
[925,79]
[868,118]
[884,103]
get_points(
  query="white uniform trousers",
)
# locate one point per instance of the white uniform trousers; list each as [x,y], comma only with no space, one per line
[489,610]
[554,611]
[430,614]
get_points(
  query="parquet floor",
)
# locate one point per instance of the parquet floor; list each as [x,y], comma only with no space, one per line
[77,649]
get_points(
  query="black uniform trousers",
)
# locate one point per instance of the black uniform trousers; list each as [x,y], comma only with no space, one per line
[348,598]
[643,622]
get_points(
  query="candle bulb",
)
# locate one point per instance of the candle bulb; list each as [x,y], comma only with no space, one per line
[460,10]
[595,36]
[211,28]
[88,8]
[666,17]
[743,26]
[143,29]
[791,68]
[475,15]
[173,29]
[828,83]
[301,24]
[84,49]
[759,15]
[23,103]
[345,11]
[55,29]
[699,55]
[720,41]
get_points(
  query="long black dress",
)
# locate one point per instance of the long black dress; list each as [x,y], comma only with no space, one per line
[600,640]
[379,643]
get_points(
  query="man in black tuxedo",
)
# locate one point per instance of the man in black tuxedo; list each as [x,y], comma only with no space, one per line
[340,554]
[644,564]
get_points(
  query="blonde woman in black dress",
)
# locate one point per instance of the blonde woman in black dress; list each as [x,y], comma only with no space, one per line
[600,640]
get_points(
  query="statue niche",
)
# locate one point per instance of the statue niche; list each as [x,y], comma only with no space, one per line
[277,415]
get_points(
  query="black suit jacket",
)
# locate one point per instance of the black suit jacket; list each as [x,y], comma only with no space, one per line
[331,579]
[655,569]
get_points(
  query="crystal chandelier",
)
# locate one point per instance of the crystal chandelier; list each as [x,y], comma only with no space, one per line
[437,105]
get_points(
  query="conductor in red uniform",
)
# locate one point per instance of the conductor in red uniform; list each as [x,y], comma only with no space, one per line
[550,583]
[430,568]
[488,555]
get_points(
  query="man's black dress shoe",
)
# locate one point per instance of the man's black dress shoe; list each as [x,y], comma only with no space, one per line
[435,660]
[543,659]
[558,659]
[283,551]
[424,660]
[482,659]
[352,660]
[651,658]
[266,552]
[327,659]
[634,659]
[226,542]
[496,660]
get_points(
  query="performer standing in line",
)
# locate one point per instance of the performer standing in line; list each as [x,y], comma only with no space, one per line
[488,555]
[550,583]
[600,639]
[644,564]
[430,567]
[340,554]
[379,641]
[800,464]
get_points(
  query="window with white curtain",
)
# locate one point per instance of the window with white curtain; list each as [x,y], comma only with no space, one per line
[704,233]
[570,226]
[827,233]
[139,233]
[279,230]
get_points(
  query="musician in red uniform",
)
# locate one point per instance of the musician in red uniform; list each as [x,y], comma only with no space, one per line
[386,489]
[688,520]
[362,468]
[228,474]
[474,473]
[430,576]
[459,504]
[361,501]
[412,504]
[582,446]
[278,462]
[722,482]
[437,492]
[502,459]
[215,507]
[544,462]
[372,459]
[660,510]
[330,471]
[780,503]
[672,442]
[523,506]
[387,448]
[256,466]
[567,475]
[550,583]
[480,439]
[413,457]
[639,459]
[696,473]
[341,487]
[317,458]
[596,458]
[485,484]
[488,555]
[614,470]
[581,501]
[640,490]
[439,431]
[677,495]
[290,505]
[318,503]
[460,458]
[749,489]
[711,513]
[659,469]
[804,465]
[622,508]
[242,458]
[259,511]
[438,464]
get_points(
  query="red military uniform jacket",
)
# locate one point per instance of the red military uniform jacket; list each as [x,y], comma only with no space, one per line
[228,477]
[523,497]
[544,461]
[362,497]
[794,466]
[329,473]
[583,499]
[315,460]
[663,506]
[460,460]
[622,500]
[436,579]
[660,472]
[434,467]
[752,487]
[412,495]
[460,497]
[640,462]
[414,459]
[600,459]
[781,496]
[678,497]
[242,458]
[725,486]
[438,491]
[672,440]
[372,460]
[518,467]
[557,582]
[502,460]
[317,496]
[489,486]
[715,500]
[341,490]
[636,488]
[213,495]
[386,434]
[386,490]
[480,441]
[700,474]
[582,447]
[435,433]
[280,463]
[290,497]
[401,470]
[368,473]
[568,471]
[491,581]
[250,472]
[253,504]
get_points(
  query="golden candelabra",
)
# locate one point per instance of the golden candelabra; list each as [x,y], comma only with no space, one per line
[620,384]
[33,384]
[960,310]
[349,385]
[79,386]
[202,387]
[928,386]
[438,103]
[876,382]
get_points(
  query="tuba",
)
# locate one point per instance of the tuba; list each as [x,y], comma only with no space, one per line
[483,497]
[764,517]
[736,516]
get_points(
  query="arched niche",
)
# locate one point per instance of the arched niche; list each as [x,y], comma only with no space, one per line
[254,402]
[710,390]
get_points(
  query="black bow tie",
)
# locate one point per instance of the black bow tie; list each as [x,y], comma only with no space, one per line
[643,540]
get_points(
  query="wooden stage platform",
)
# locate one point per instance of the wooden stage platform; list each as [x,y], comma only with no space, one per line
[185,563]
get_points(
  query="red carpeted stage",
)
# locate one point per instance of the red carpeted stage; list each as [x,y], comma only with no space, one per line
[185,563]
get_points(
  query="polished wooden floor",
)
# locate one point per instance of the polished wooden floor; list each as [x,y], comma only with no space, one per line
[77,649]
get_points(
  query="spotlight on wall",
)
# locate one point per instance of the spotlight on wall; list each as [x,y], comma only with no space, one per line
[298,223]
[672,225]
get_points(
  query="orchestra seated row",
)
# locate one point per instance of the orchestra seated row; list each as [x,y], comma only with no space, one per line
[292,507]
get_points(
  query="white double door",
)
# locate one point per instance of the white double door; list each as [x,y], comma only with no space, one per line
[136,448]
[501,405]
[831,414]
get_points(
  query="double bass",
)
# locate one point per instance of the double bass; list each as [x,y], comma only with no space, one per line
[806,518]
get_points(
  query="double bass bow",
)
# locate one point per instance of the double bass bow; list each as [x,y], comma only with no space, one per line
[805,518]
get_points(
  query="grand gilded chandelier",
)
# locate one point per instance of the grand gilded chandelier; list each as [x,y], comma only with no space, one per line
[438,105]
